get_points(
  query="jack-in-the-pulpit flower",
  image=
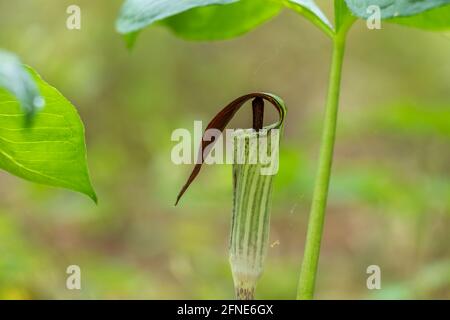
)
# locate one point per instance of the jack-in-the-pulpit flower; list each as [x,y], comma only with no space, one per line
[255,163]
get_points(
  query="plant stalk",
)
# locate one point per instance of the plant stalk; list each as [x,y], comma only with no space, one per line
[319,202]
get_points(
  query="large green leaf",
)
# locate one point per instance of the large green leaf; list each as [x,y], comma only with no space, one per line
[137,14]
[222,22]
[52,149]
[196,19]
[15,78]
[211,19]
[429,14]
[434,19]
[394,8]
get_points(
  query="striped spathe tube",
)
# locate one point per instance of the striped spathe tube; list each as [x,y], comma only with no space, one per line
[255,163]
[252,188]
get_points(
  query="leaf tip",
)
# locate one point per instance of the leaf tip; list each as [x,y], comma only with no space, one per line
[130,39]
[94,197]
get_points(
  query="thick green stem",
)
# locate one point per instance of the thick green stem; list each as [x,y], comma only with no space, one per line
[317,215]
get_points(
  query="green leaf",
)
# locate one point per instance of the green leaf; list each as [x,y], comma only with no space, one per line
[138,14]
[52,151]
[434,19]
[210,19]
[429,14]
[393,8]
[16,79]
[197,19]
[311,11]
[223,22]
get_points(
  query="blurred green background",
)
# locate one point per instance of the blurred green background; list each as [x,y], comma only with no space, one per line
[390,193]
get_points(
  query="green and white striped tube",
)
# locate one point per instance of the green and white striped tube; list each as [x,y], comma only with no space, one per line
[252,187]
[255,162]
